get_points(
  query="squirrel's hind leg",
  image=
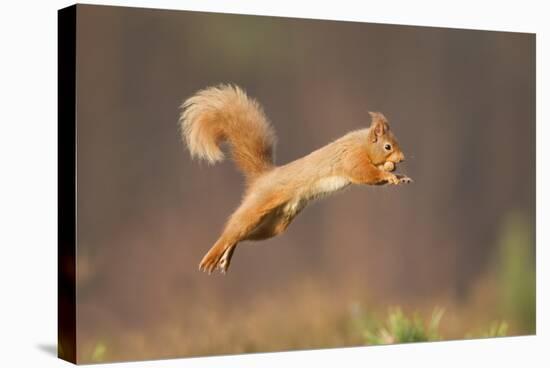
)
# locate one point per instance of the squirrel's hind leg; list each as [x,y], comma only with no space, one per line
[242,223]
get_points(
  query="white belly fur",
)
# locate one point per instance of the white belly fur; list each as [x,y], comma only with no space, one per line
[329,185]
[322,188]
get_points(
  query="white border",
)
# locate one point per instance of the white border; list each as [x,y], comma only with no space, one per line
[28,181]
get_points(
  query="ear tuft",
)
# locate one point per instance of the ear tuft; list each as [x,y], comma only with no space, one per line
[379,124]
[377,117]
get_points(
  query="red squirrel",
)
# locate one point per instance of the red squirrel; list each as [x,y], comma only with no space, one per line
[275,195]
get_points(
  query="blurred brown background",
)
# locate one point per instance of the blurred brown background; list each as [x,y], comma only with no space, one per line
[461,102]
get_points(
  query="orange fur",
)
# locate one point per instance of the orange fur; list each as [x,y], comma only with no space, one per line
[275,195]
[226,113]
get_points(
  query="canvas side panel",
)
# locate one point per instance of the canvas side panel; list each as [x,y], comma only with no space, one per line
[66,184]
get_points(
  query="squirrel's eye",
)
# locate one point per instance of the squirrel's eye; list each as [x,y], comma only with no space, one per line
[387,147]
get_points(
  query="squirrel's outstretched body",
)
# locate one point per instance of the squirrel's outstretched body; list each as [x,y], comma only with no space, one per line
[274,195]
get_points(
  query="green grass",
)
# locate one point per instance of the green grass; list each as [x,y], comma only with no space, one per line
[496,329]
[399,329]
[98,354]
[516,270]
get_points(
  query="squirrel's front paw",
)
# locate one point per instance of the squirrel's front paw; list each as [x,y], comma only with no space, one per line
[403,179]
[393,179]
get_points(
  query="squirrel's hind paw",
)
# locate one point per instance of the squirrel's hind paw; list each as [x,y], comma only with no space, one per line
[217,258]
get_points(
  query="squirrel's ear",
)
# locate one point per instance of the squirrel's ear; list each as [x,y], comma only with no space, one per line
[379,125]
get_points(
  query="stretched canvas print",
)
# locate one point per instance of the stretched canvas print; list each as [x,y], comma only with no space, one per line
[234,184]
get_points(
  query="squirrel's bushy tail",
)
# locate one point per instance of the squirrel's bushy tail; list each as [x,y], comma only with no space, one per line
[226,114]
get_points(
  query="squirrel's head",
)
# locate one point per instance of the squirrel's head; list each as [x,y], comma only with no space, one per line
[383,146]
